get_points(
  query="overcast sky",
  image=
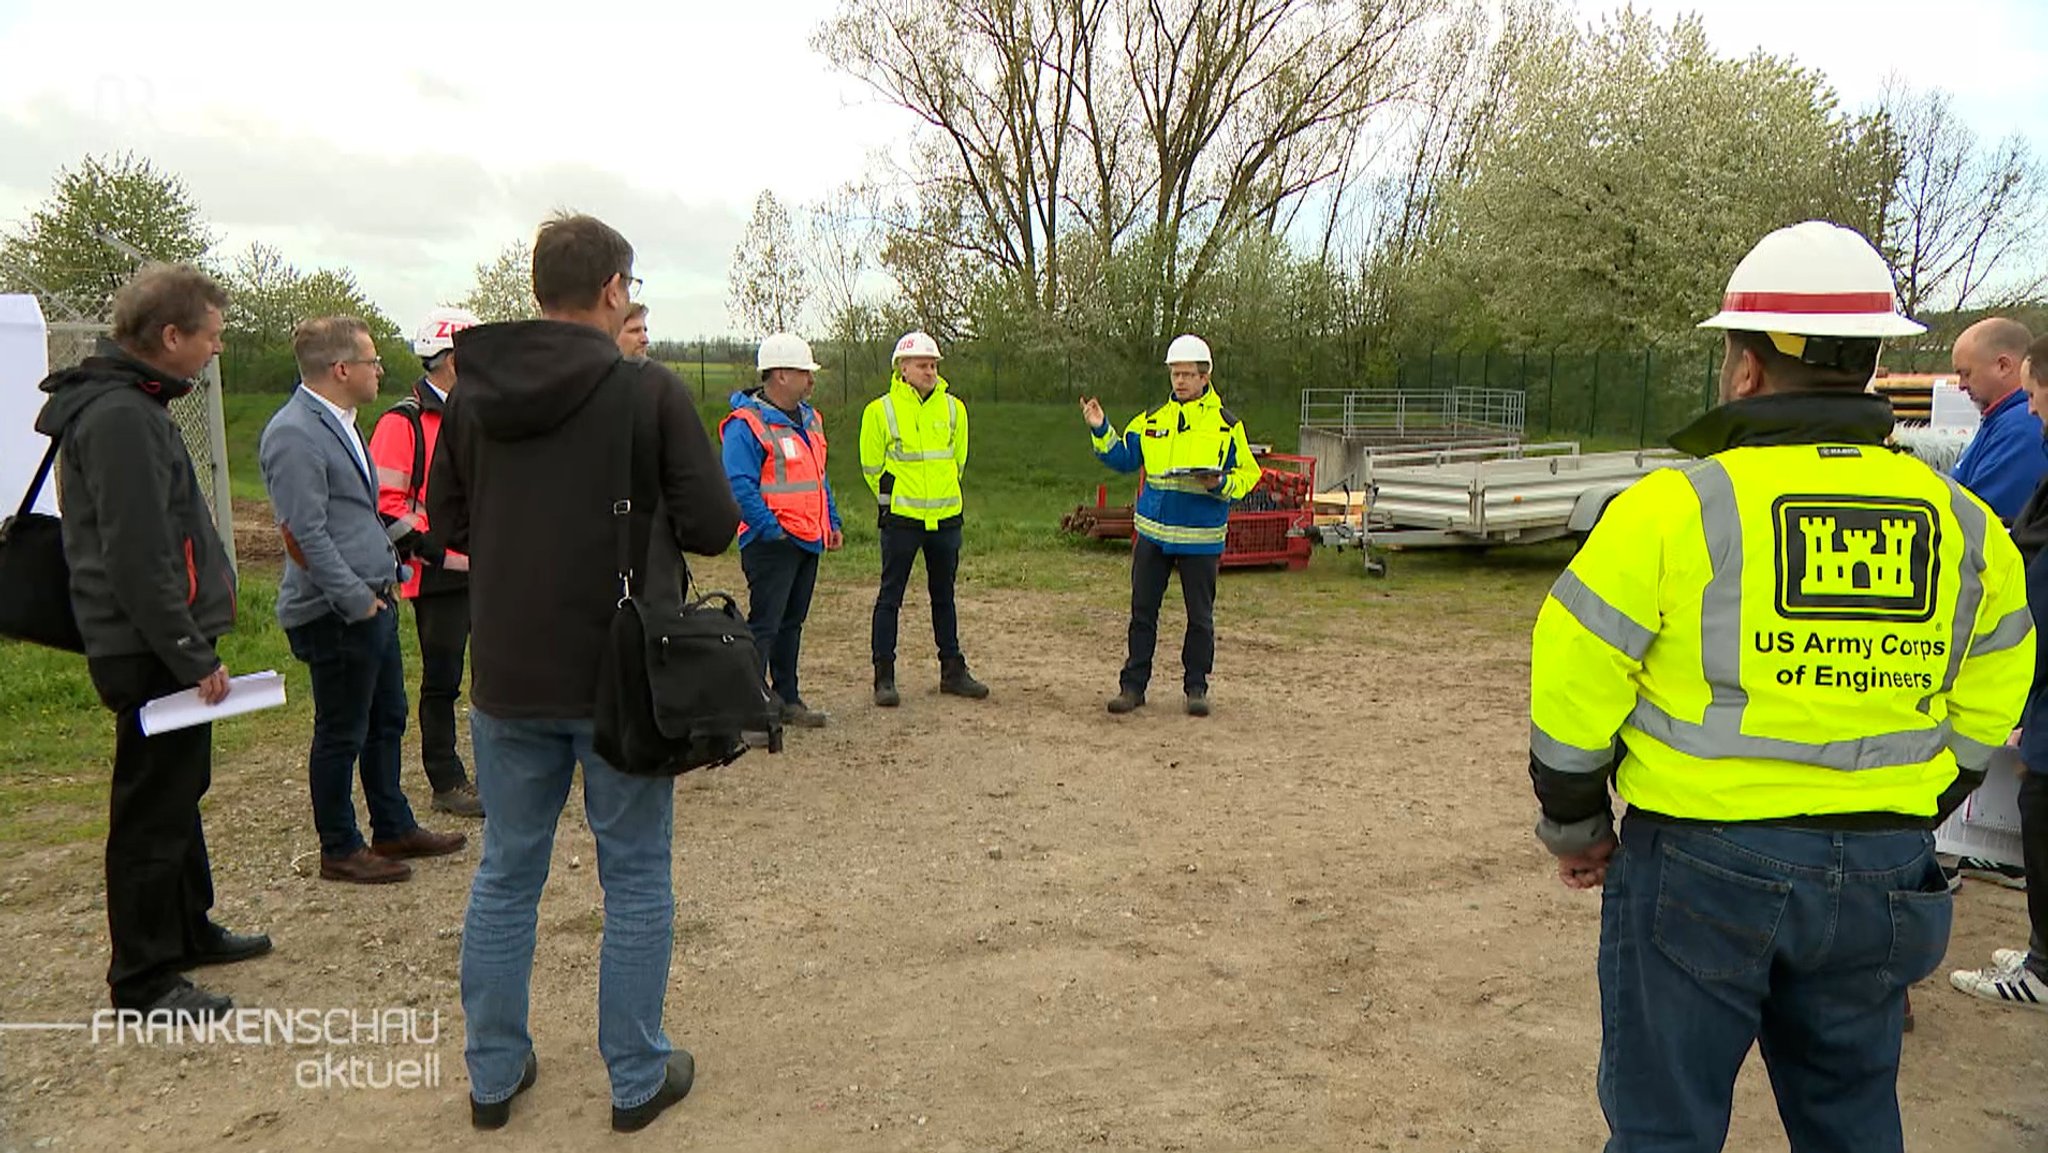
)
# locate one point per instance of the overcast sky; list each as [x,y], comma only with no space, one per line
[409,141]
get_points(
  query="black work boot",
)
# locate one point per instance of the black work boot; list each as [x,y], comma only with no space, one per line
[1126,701]
[956,680]
[885,685]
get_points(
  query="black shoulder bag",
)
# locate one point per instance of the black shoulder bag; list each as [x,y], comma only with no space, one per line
[682,687]
[35,579]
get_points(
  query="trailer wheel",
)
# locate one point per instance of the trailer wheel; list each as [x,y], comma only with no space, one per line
[1375,562]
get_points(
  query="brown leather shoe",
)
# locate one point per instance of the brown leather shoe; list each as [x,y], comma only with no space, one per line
[420,843]
[363,867]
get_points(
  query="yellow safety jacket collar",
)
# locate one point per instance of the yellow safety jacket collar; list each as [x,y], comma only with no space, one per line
[1788,418]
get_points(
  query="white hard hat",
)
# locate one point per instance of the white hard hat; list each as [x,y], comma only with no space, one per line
[1188,349]
[916,344]
[1813,279]
[785,350]
[436,334]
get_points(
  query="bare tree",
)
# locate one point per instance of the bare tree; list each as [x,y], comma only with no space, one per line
[839,251]
[1961,220]
[766,285]
[1167,127]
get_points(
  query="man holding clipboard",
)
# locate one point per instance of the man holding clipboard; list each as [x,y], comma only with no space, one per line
[1196,461]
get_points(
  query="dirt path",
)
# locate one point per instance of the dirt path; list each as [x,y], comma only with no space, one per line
[1013,925]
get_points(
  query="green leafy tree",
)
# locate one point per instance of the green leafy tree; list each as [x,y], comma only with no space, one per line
[62,250]
[268,296]
[504,286]
[1627,168]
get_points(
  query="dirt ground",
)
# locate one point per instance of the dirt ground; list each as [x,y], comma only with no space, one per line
[1316,920]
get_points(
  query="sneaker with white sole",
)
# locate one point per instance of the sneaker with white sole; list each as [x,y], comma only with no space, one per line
[2008,960]
[1985,869]
[2020,987]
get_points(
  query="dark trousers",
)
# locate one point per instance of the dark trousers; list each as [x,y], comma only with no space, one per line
[443,620]
[781,575]
[2034,855]
[159,882]
[358,718]
[1150,568]
[901,542]
[1802,943]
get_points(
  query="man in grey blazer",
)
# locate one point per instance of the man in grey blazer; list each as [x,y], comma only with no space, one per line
[338,604]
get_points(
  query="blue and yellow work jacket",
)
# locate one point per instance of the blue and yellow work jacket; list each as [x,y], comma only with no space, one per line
[1179,513]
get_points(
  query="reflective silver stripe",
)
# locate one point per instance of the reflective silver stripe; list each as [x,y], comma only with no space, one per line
[2005,634]
[1603,620]
[894,450]
[1721,602]
[397,530]
[1975,756]
[1179,533]
[923,503]
[1969,591]
[1877,751]
[1555,754]
[794,486]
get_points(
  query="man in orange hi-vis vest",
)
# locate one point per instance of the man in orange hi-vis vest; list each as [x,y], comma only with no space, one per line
[774,447]
[402,450]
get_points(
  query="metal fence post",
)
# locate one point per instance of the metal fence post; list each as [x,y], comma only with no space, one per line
[217,444]
[700,367]
[1643,412]
[1550,393]
[1593,403]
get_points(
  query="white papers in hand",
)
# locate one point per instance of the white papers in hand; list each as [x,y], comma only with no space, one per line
[247,693]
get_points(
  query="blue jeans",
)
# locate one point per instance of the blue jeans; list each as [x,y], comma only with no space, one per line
[359,709]
[1712,939]
[523,772]
[781,575]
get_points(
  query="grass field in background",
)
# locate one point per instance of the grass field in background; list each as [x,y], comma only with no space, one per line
[1030,463]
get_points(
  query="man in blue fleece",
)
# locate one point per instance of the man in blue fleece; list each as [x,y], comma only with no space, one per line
[2006,459]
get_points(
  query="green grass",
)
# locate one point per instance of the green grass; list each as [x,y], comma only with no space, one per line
[60,739]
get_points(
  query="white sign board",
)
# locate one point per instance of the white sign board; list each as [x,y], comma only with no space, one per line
[24,362]
[1988,824]
[1952,409]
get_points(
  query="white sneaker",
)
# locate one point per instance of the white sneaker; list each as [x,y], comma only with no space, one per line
[2021,987]
[2008,960]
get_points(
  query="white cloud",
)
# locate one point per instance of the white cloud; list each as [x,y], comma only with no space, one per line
[411,140]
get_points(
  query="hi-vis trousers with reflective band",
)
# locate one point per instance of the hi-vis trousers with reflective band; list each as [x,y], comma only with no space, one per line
[1767,642]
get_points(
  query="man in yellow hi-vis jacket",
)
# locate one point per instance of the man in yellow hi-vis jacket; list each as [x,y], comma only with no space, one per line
[1794,657]
[913,448]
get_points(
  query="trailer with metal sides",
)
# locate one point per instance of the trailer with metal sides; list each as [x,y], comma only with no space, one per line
[1481,498]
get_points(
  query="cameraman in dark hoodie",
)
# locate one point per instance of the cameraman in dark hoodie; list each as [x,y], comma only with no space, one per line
[152,590]
[522,485]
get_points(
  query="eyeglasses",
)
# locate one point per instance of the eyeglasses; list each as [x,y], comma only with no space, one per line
[632,284]
[376,360]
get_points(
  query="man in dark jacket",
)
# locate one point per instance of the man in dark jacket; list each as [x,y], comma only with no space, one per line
[521,484]
[152,590]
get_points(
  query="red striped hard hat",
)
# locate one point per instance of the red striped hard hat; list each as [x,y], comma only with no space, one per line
[1813,279]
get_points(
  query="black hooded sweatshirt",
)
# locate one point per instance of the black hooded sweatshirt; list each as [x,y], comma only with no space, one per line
[148,573]
[521,482]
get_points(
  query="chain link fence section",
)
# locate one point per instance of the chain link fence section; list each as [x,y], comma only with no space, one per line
[201,423]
